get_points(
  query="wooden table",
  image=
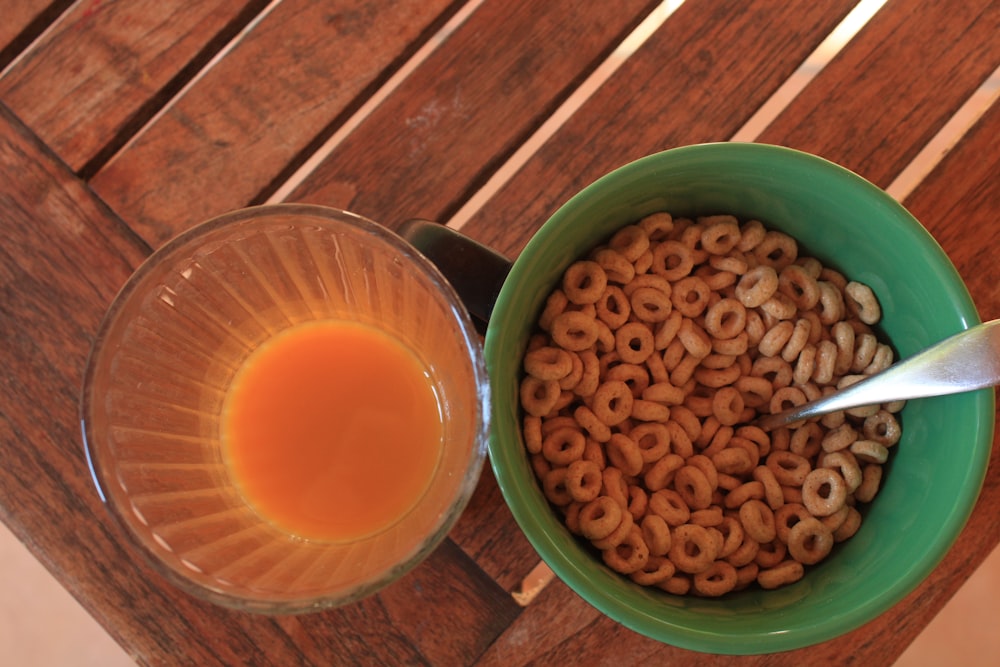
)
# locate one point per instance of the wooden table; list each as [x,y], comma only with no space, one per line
[124,123]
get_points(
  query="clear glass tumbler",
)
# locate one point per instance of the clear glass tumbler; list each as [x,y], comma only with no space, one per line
[170,346]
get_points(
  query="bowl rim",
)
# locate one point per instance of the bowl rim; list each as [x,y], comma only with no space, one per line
[580,576]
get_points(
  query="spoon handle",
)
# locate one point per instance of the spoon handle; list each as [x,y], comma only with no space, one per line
[966,361]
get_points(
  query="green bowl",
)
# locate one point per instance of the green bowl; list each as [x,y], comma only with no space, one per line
[935,473]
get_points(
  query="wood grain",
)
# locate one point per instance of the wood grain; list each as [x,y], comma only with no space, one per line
[301,71]
[697,79]
[876,104]
[104,69]
[444,131]
[22,21]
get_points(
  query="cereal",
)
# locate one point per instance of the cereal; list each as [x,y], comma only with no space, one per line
[653,357]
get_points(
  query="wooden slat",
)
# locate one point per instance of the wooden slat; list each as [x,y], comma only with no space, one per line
[63,258]
[876,104]
[712,71]
[297,73]
[104,67]
[444,130]
[18,18]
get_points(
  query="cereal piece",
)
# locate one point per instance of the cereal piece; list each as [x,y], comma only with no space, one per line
[775,339]
[824,492]
[789,469]
[776,250]
[797,284]
[787,516]
[756,286]
[617,535]
[809,541]
[634,342]
[719,579]
[672,260]
[757,520]
[612,402]
[595,427]
[613,307]
[883,428]
[656,533]
[693,487]
[847,466]
[631,241]
[617,268]
[656,570]
[650,304]
[871,480]
[693,549]
[668,505]
[624,454]
[584,480]
[548,363]
[584,282]
[532,429]
[538,397]
[653,440]
[661,474]
[870,451]
[563,446]
[720,233]
[861,300]
[772,489]
[690,296]
[831,303]
[786,572]
[746,552]
[771,554]
[599,518]
[554,486]
[629,555]
[574,330]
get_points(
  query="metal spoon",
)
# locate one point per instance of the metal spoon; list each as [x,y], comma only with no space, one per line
[966,361]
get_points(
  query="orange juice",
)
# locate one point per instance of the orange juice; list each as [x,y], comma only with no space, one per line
[332,430]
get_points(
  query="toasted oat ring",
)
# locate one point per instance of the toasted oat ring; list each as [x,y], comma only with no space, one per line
[732,461]
[653,440]
[806,440]
[672,259]
[775,369]
[831,303]
[634,342]
[789,468]
[779,307]
[690,296]
[617,268]
[824,492]
[692,549]
[656,533]
[634,375]
[613,307]
[745,553]
[548,363]
[554,486]
[618,535]
[797,341]
[746,491]
[694,339]
[574,330]
[555,304]
[869,451]
[862,300]
[883,428]
[584,480]
[631,241]
[843,335]
[775,339]
[650,411]
[584,282]
[772,489]
[751,233]
[847,466]
[669,506]
[719,579]
[539,397]
[871,479]
[785,398]
[532,430]
[596,428]
[657,225]
[692,484]
[615,486]
[732,536]
[594,451]
[656,569]
[726,318]
[728,405]
[757,285]
[787,516]
[600,517]
[706,466]
[629,555]
[650,304]
[771,553]
[776,249]
[720,233]
[624,454]
[590,378]
[662,472]
[757,520]
[709,517]
[782,574]
[849,527]
[795,282]
[563,446]
[809,541]
[678,584]
[612,402]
